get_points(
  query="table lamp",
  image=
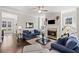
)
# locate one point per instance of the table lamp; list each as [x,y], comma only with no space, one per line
[19,29]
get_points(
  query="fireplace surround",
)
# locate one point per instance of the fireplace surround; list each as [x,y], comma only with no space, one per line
[52,33]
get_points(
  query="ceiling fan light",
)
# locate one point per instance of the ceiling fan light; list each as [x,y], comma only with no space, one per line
[39,11]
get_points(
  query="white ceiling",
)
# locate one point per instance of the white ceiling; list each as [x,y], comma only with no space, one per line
[50,8]
[31,10]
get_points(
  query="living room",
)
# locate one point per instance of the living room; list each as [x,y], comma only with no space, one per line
[34,28]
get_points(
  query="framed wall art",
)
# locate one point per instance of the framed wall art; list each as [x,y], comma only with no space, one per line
[68,20]
[29,25]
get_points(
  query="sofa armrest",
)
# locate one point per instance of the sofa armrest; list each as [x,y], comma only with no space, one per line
[61,48]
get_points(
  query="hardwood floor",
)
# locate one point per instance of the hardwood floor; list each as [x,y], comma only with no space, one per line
[20,45]
[9,45]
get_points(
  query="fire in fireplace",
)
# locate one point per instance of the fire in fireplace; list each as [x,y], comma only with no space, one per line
[52,34]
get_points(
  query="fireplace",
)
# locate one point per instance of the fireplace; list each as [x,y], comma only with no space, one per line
[52,34]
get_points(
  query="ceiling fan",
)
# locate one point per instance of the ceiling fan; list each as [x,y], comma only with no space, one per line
[40,9]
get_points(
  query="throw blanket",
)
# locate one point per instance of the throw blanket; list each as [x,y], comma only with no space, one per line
[73,41]
[73,35]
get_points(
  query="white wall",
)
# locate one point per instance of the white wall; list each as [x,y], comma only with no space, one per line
[52,16]
[73,14]
[78,22]
[12,17]
[22,19]
[57,25]
[60,23]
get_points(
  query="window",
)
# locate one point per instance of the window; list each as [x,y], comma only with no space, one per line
[9,24]
[3,23]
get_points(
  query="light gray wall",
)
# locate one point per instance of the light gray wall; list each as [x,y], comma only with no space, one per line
[78,22]
[72,14]
[52,16]
[22,19]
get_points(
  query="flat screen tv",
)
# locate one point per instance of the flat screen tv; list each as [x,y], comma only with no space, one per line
[51,21]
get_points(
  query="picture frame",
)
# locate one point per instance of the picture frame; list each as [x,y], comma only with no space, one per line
[29,25]
[68,20]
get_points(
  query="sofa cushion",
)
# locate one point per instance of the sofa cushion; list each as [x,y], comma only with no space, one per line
[25,31]
[62,41]
[32,31]
[71,43]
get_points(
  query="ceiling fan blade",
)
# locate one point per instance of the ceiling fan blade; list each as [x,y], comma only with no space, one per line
[44,10]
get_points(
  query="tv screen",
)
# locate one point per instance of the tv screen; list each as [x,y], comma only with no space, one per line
[51,21]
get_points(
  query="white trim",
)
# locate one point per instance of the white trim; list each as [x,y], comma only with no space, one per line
[61,23]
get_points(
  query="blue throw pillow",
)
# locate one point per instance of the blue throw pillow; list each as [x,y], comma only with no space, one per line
[71,43]
[62,41]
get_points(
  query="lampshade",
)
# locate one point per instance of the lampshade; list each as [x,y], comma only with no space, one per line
[19,27]
[39,11]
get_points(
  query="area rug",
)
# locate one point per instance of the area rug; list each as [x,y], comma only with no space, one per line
[40,42]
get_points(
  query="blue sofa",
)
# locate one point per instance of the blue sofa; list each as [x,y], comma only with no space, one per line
[61,46]
[30,34]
